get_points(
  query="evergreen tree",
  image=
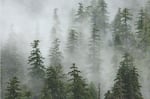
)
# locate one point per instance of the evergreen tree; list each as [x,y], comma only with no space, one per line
[127,36]
[13,90]
[12,61]
[55,54]
[94,52]
[80,13]
[92,91]
[54,87]
[100,17]
[36,61]
[55,32]
[108,95]
[78,87]
[143,28]
[73,44]
[54,83]
[117,29]
[126,84]
[37,71]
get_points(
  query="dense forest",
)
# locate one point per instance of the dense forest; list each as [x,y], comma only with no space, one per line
[96,59]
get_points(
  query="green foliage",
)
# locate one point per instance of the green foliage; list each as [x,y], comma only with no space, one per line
[54,87]
[77,87]
[73,42]
[143,29]
[126,84]
[94,51]
[55,54]
[36,61]
[13,90]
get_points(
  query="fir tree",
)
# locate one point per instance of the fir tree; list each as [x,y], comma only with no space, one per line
[80,13]
[127,85]
[13,90]
[54,87]
[36,61]
[78,87]
[55,54]
[54,83]
[117,29]
[73,44]
[37,71]
[108,95]
[92,91]
[99,16]
[94,52]
[127,36]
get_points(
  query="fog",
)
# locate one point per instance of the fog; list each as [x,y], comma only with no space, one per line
[34,19]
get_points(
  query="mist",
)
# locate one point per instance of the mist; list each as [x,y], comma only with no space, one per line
[28,20]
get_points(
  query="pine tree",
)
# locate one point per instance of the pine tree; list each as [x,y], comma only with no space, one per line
[92,91]
[80,13]
[94,52]
[13,90]
[108,95]
[78,87]
[143,28]
[54,83]
[37,71]
[127,37]
[55,32]
[72,44]
[117,29]
[36,61]
[127,85]
[55,54]
[54,87]
[12,60]
[100,17]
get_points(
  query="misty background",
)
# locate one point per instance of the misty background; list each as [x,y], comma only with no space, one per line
[26,20]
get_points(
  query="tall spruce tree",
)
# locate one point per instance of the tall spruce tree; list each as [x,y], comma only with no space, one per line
[73,44]
[54,87]
[80,13]
[13,90]
[11,60]
[36,61]
[100,17]
[77,87]
[94,52]
[37,69]
[54,84]
[117,29]
[93,94]
[55,54]
[127,85]
[127,36]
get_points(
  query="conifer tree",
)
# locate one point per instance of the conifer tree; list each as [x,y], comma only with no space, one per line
[94,52]
[143,28]
[80,13]
[13,90]
[72,44]
[37,69]
[100,17]
[117,29]
[127,85]
[108,95]
[92,91]
[54,84]
[77,87]
[36,61]
[54,87]
[55,54]
[127,36]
